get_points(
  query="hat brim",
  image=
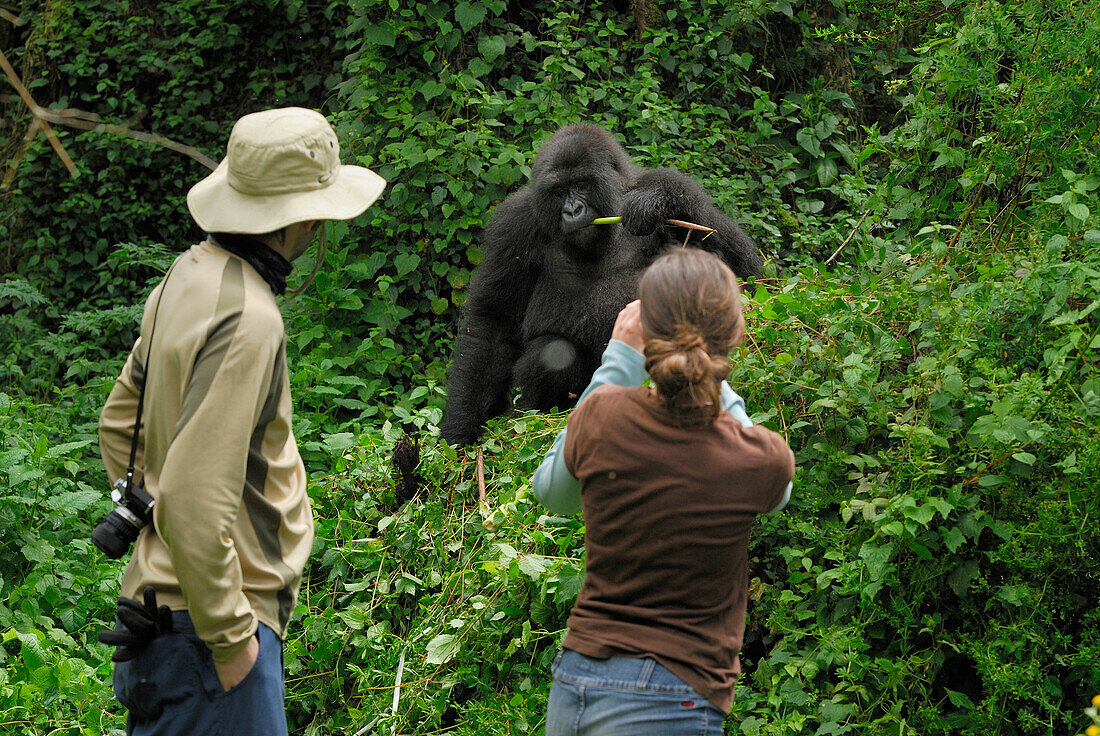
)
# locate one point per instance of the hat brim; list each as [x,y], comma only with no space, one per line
[219,208]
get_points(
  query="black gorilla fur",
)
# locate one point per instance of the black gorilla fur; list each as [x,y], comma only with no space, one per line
[544,299]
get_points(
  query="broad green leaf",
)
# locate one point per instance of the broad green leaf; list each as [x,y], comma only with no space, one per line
[31,649]
[67,448]
[959,700]
[953,539]
[432,89]
[73,502]
[442,649]
[961,578]
[338,442]
[469,15]
[380,35]
[532,566]
[355,617]
[808,140]
[826,172]
[877,557]
[491,47]
[405,263]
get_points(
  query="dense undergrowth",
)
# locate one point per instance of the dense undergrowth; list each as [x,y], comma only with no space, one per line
[926,336]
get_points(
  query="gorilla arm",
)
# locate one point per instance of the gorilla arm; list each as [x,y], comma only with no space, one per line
[487,344]
[660,194]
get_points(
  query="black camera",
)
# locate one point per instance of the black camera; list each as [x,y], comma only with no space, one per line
[120,528]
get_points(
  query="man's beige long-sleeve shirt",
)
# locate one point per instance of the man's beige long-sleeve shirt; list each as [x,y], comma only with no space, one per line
[232,526]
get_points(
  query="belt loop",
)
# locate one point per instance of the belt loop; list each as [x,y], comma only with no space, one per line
[647,672]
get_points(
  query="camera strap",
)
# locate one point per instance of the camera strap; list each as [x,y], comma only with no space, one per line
[144,382]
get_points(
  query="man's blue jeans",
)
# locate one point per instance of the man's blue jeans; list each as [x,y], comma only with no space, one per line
[172,688]
[625,696]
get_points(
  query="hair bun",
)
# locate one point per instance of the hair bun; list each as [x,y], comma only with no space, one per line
[688,338]
[691,315]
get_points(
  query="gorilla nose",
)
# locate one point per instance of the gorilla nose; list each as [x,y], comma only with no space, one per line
[575,213]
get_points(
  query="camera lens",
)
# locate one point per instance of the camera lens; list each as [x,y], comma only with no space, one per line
[114,535]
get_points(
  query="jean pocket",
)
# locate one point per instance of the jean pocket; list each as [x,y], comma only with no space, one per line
[165,673]
[557,662]
[252,673]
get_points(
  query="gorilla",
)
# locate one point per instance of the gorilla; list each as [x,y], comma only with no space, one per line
[542,302]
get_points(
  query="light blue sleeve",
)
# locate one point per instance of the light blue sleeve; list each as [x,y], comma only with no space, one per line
[735,405]
[552,483]
[732,402]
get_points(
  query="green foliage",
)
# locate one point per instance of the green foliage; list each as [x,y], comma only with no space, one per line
[151,66]
[56,591]
[923,180]
[935,485]
[475,616]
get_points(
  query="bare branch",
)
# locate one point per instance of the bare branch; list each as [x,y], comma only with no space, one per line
[32,131]
[848,239]
[11,17]
[29,101]
[90,121]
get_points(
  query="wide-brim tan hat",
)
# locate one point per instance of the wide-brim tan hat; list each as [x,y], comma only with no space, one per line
[281,166]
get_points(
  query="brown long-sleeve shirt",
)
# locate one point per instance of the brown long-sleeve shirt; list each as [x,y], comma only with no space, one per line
[232,526]
[667,514]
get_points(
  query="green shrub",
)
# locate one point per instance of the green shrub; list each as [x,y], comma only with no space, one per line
[922,178]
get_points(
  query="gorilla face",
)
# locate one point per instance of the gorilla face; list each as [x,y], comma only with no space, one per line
[579,174]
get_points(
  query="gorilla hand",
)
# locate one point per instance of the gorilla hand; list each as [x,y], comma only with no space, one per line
[655,196]
[642,210]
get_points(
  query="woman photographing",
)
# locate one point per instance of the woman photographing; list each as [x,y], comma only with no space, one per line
[670,479]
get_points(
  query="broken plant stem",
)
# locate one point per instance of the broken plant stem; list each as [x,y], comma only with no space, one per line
[678,223]
[481,478]
[847,239]
[691,226]
[397,683]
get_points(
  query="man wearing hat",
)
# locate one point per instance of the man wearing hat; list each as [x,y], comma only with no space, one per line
[206,385]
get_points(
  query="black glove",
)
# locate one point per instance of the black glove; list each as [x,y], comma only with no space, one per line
[138,625]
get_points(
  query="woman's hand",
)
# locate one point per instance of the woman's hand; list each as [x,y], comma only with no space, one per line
[628,326]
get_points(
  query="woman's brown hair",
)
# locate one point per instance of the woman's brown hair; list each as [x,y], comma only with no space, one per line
[691,315]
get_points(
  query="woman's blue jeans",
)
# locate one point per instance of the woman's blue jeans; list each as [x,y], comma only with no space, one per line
[625,696]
